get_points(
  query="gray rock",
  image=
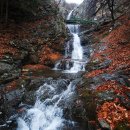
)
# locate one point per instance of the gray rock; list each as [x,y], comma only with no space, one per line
[4,67]
[106,96]
[9,76]
[104,125]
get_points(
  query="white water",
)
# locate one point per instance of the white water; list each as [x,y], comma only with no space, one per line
[77,52]
[46,115]
[69,15]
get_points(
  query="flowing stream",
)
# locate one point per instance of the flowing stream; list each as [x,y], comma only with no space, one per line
[51,98]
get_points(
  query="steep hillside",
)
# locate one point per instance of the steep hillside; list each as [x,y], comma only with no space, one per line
[32,37]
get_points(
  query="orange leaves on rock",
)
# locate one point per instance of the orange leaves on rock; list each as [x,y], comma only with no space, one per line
[10,86]
[35,67]
[94,73]
[117,50]
[5,49]
[48,54]
[55,56]
[113,114]
[115,87]
[109,85]
[120,34]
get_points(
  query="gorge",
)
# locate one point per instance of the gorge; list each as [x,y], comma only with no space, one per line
[64,66]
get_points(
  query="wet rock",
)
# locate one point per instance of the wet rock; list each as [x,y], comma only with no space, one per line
[7,58]
[33,59]
[49,63]
[94,65]
[109,76]
[29,97]
[103,65]
[4,67]
[65,64]
[104,125]
[124,101]
[35,84]
[106,96]
[23,45]
[78,112]
[90,65]
[85,39]
[16,94]
[128,94]
[9,76]
[124,79]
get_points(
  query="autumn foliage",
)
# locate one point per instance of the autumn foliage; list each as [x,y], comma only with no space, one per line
[113,114]
[116,49]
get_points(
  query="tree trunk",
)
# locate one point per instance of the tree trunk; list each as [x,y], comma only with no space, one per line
[6,16]
[1,11]
[111,8]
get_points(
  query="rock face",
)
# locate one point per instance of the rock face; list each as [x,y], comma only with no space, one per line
[65,7]
[99,10]
[86,9]
[39,26]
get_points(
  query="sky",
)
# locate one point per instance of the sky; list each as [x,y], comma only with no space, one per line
[74,1]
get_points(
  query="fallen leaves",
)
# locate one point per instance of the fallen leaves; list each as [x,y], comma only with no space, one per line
[113,114]
[118,53]
[48,54]
[10,86]
[94,73]
[117,49]
[34,67]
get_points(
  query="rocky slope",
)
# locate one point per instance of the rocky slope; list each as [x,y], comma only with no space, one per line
[32,40]
[106,83]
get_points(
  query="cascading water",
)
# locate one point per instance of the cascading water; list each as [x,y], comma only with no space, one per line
[76,53]
[47,114]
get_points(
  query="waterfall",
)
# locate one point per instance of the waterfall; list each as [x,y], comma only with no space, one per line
[69,15]
[77,53]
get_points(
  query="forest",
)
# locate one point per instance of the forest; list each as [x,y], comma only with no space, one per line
[64,65]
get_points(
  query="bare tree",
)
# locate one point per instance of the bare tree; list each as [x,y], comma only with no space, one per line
[111,8]
[7,11]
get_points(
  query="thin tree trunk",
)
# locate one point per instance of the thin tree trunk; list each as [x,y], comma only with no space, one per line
[1,11]
[111,8]
[6,16]
[112,12]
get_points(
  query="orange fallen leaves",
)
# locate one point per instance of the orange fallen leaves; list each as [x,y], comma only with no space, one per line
[113,114]
[109,85]
[35,67]
[55,56]
[10,86]
[117,49]
[94,73]
[115,87]
[48,54]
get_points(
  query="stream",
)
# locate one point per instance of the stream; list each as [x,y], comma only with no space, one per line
[54,97]
[48,114]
